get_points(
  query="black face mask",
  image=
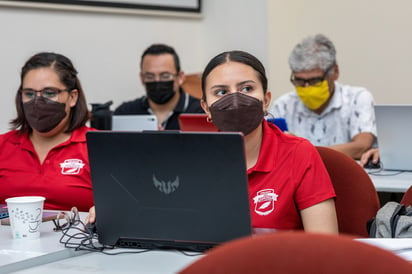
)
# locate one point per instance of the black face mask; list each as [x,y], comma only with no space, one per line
[160,92]
[43,114]
[237,112]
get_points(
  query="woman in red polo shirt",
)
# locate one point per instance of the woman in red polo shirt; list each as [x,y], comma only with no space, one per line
[45,153]
[289,187]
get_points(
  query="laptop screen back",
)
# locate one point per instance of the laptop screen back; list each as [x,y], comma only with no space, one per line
[167,189]
[134,122]
[394,129]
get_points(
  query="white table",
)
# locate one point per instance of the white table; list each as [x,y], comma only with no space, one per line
[21,254]
[390,181]
[154,261]
[48,255]
[401,247]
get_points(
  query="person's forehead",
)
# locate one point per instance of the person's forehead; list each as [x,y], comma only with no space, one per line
[158,63]
[41,77]
[232,72]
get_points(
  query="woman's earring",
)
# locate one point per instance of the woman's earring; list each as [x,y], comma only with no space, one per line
[209,120]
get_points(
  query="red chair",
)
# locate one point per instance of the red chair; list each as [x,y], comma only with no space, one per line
[296,253]
[356,198]
[407,197]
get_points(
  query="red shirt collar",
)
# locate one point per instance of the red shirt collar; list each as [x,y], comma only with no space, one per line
[266,161]
[78,136]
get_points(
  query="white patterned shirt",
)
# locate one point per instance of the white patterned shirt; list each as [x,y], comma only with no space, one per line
[349,112]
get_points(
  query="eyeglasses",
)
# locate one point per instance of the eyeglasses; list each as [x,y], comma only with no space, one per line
[48,93]
[165,76]
[65,220]
[315,81]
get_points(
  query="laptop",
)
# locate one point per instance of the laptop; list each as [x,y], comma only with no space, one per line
[196,122]
[169,189]
[134,122]
[394,130]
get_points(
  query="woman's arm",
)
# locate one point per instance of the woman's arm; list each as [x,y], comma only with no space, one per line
[320,218]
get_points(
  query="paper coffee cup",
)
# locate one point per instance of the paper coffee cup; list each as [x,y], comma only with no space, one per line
[25,215]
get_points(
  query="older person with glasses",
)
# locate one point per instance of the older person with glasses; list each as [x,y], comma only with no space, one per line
[321,109]
[45,152]
[162,78]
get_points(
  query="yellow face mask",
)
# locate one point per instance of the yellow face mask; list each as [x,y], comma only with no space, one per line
[314,96]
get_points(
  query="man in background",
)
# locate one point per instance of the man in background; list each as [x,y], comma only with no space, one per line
[162,77]
[322,110]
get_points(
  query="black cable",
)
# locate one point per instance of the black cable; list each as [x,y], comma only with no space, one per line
[379,172]
[75,236]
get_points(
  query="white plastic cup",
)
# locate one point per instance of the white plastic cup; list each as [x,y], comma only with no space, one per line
[25,215]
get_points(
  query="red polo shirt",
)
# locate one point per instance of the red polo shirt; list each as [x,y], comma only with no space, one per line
[63,178]
[289,176]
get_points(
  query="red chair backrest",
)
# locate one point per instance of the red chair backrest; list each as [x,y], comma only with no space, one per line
[298,252]
[407,197]
[356,198]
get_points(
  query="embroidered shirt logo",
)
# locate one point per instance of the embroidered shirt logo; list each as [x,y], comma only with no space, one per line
[265,201]
[166,187]
[71,166]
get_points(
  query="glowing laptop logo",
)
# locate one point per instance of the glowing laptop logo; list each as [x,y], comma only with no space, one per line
[166,187]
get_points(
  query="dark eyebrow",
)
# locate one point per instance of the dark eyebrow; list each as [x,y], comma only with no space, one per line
[219,86]
[48,87]
[162,72]
[237,85]
[245,82]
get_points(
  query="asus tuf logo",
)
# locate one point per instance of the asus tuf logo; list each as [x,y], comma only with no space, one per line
[166,187]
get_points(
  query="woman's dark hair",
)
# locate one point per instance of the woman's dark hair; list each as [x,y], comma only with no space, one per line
[64,68]
[235,56]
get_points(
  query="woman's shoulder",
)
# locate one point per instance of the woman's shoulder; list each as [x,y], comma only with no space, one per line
[79,134]
[288,144]
[10,136]
[84,129]
[87,128]
[285,137]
